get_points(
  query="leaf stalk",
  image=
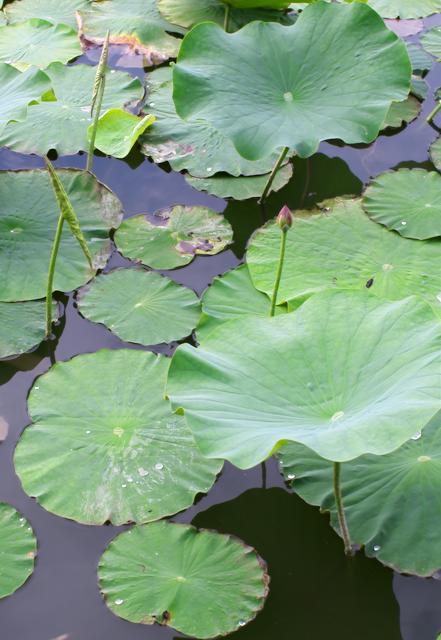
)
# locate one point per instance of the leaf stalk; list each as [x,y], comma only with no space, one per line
[340,510]
[51,274]
[273,174]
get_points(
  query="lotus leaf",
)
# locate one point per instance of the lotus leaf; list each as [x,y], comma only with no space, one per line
[62,123]
[137,24]
[27,231]
[407,201]
[402,112]
[18,90]
[18,548]
[405,9]
[201,583]
[435,153]
[345,374]
[118,131]
[431,42]
[193,145]
[22,326]
[253,4]
[125,455]
[141,306]
[37,42]
[421,63]
[319,91]
[390,501]
[56,11]
[172,237]
[340,247]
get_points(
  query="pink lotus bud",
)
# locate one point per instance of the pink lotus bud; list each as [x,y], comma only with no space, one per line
[284,219]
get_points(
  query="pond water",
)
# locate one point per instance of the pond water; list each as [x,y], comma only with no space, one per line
[316,592]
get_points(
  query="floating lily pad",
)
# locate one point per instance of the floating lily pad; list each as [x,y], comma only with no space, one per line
[118,131]
[253,4]
[126,457]
[195,146]
[319,92]
[421,63]
[402,112]
[22,326]
[340,247]
[431,42]
[141,306]
[407,201]
[37,42]
[387,499]
[62,123]
[56,11]
[28,220]
[345,375]
[201,583]
[405,8]
[137,24]
[242,187]
[172,237]
[435,153]
[18,548]
[18,90]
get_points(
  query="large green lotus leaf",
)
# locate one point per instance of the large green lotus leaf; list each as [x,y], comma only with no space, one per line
[345,374]
[320,91]
[22,326]
[18,90]
[431,41]
[172,237]
[389,500]
[201,583]
[137,24]
[241,187]
[402,112]
[28,219]
[407,201]
[56,11]
[340,247]
[104,444]
[18,548]
[405,8]
[118,131]
[193,145]
[141,306]
[62,123]
[37,42]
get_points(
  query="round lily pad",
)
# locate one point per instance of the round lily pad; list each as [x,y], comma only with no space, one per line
[18,548]
[320,91]
[405,8]
[100,421]
[18,90]
[407,201]
[172,237]
[201,583]
[27,231]
[141,306]
[22,326]
[118,131]
[56,11]
[388,500]
[37,42]
[62,124]
[402,112]
[345,374]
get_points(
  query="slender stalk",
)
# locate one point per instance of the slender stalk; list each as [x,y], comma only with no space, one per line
[340,510]
[51,273]
[434,112]
[273,174]
[97,99]
[227,18]
[279,272]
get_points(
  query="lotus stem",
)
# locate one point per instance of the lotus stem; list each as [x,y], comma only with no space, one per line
[340,510]
[51,273]
[273,174]
[434,112]
[227,18]
[97,99]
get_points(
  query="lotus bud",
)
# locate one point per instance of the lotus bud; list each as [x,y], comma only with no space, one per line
[284,219]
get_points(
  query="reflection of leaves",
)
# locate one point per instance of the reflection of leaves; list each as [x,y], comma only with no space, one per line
[315,592]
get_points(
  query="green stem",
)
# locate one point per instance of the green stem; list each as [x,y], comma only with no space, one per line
[434,112]
[51,274]
[96,117]
[227,18]
[340,509]
[279,273]
[97,98]
[273,174]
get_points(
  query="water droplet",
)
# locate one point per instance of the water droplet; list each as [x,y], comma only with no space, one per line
[417,436]
[337,416]
[209,169]
[377,547]
[21,519]
[403,222]
[152,104]
[36,388]
[288,97]
[159,466]
[242,623]
[119,601]
[118,432]
[388,267]
[124,486]
[291,476]
[88,431]
[112,71]
[143,472]
[130,479]
[16,230]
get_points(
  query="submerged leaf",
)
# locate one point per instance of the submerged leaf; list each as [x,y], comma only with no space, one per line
[18,548]
[56,11]
[22,326]
[118,131]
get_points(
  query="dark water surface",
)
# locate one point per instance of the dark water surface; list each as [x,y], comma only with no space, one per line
[316,593]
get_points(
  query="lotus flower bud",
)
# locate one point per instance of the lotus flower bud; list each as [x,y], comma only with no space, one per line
[284,219]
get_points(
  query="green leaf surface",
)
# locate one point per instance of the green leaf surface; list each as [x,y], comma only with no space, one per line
[62,124]
[37,42]
[435,153]
[402,112]
[420,60]
[22,326]
[431,41]
[193,145]
[118,131]
[319,91]
[405,8]
[253,4]
[27,231]
[407,201]
[56,11]
[340,247]
[172,237]
[345,375]
[18,90]
[200,583]
[141,306]
[119,455]
[389,500]
[18,548]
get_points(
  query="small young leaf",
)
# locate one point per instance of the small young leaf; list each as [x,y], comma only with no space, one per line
[118,130]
